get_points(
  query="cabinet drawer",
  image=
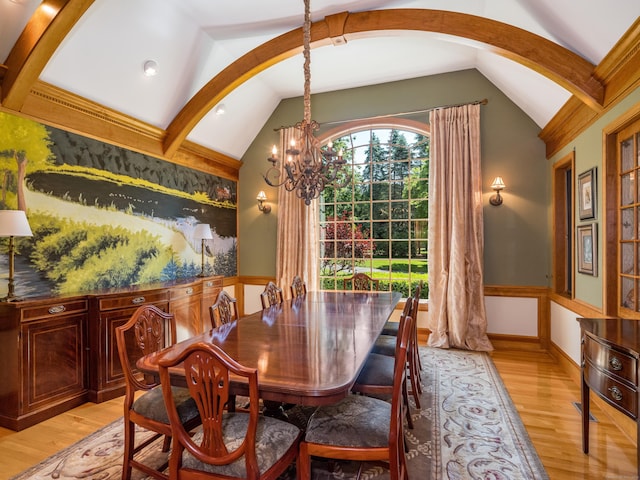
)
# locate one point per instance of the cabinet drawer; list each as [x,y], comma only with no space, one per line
[616,393]
[214,284]
[133,300]
[50,310]
[178,293]
[612,361]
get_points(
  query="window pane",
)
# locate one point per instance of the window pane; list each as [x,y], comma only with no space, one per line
[627,260]
[627,224]
[627,297]
[400,210]
[626,155]
[380,211]
[626,189]
[389,182]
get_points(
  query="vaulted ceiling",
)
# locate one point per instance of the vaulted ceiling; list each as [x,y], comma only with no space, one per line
[247,55]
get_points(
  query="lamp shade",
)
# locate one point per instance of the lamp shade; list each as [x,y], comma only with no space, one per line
[498,184]
[14,223]
[202,230]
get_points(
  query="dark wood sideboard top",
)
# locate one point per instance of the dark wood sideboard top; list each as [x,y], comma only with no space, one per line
[618,332]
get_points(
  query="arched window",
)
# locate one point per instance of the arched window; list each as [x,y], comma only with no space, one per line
[377,224]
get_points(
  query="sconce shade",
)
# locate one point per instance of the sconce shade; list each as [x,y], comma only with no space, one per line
[498,184]
[203,231]
[14,223]
[261,205]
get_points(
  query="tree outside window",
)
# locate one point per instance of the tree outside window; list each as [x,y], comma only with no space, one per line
[377,224]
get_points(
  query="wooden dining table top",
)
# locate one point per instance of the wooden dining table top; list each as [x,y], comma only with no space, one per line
[308,350]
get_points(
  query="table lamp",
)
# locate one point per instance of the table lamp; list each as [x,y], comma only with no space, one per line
[202,231]
[13,223]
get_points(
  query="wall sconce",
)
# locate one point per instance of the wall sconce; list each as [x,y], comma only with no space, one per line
[13,223]
[202,231]
[497,185]
[261,206]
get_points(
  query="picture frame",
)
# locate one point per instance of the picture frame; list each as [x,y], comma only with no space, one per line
[587,194]
[587,247]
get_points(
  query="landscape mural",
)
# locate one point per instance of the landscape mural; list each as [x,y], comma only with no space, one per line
[107,217]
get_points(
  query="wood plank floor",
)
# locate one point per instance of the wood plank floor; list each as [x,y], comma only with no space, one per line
[541,391]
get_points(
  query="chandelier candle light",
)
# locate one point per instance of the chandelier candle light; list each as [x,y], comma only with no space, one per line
[310,168]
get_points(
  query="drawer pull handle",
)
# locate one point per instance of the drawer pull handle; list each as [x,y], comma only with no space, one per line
[138,300]
[189,291]
[57,309]
[209,284]
[616,393]
[615,363]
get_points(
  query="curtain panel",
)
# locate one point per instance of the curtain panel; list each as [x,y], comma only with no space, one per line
[297,234]
[457,315]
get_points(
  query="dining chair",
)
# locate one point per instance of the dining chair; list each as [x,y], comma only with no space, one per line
[376,375]
[298,287]
[386,345]
[271,296]
[224,311]
[361,281]
[361,427]
[391,327]
[226,445]
[148,330]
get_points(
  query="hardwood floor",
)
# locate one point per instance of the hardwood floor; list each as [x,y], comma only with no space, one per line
[541,391]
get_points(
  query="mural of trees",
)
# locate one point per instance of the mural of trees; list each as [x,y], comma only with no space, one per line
[107,217]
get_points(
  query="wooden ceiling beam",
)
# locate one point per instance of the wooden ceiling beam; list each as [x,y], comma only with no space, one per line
[42,35]
[537,53]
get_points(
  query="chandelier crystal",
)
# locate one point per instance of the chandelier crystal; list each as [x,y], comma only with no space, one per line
[309,168]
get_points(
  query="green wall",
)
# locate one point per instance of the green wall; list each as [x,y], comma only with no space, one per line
[517,235]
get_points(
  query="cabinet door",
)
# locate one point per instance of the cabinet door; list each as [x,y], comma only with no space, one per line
[210,289]
[185,303]
[53,360]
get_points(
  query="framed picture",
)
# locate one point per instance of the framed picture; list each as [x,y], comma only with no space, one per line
[587,194]
[587,243]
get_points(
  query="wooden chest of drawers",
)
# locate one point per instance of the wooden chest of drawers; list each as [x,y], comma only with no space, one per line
[609,368]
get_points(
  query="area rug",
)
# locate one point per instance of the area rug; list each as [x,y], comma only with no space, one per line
[467,428]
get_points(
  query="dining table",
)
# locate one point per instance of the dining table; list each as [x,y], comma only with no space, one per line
[308,350]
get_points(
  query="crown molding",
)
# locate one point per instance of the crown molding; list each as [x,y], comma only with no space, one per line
[619,72]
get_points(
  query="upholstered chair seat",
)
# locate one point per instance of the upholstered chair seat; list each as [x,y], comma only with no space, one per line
[151,405]
[355,421]
[273,439]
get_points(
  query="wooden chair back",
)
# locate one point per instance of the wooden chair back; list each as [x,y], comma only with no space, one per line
[393,453]
[361,281]
[298,287]
[208,371]
[271,296]
[224,311]
[148,330]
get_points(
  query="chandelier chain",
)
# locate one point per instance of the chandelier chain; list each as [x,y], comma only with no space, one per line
[308,167]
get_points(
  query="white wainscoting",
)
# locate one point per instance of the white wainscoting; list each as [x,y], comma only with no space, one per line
[565,331]
[512,315]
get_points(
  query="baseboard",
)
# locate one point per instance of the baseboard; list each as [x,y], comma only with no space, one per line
[513,342]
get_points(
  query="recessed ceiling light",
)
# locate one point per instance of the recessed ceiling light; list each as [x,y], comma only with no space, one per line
[221,109]
[150,68]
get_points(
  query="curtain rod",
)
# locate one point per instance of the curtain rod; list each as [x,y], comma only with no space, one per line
[484,101]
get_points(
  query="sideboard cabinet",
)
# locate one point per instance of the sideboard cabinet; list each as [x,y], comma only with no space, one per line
[43,357]
[57,353]
[610,366]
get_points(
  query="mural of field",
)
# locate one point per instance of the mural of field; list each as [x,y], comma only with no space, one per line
[106,217]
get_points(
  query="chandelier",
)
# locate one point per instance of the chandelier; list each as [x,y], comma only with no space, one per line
[309,168]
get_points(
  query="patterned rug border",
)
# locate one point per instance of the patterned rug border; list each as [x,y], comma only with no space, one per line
[494,438]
